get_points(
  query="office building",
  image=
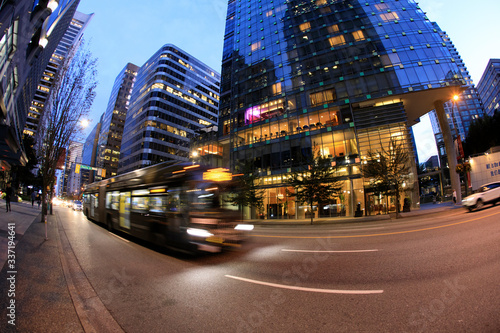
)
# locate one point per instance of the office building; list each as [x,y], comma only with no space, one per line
[339,78]
[489,87]
[70,41]
[89,155]
[113,121]
[30,31]
[71,186]
[174,95]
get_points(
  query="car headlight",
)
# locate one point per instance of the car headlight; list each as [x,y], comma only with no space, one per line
[199,232]
[244,227]
[469,199]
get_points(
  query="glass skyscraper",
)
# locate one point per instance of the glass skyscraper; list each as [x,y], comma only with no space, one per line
[338,78]
[113,121]
[174,95]
[70,41]
[489,86]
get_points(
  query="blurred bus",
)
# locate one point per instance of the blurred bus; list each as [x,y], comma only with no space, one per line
[175,205]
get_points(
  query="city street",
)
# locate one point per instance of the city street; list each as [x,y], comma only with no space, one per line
[435,272]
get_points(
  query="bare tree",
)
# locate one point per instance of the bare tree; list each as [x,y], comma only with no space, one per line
[315,181]
[388,170]
[70,98]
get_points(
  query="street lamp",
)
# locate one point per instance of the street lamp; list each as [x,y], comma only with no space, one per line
[84,123]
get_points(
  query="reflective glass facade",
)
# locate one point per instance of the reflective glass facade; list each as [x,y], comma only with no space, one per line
[489,86]
[71,38]
[113,121]
[336,77]
[174,95]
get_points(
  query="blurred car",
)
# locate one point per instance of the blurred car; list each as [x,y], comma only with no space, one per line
[77,205]
[487,194]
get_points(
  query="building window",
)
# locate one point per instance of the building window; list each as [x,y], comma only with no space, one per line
[337,40]
[333,29]
[8,45]
[358,35]
[264,111]
[388,17]
[322,97]
[255,46]
[276,88]
[305,26]
[226,127]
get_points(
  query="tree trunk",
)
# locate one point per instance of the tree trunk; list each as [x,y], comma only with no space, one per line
[397,204]
[44,206]
[312,212]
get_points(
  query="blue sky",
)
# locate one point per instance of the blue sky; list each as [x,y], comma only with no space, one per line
[130,31]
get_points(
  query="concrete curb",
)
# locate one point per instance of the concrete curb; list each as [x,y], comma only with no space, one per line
[93,314]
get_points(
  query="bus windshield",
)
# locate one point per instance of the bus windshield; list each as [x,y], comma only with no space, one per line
[204,196]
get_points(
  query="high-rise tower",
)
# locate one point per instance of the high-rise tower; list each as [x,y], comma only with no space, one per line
[489,86]
[113,121]
[174,95]
[30,32]
[336,77]
[70,40]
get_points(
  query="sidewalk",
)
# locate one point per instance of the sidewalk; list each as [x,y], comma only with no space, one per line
[44,293]
[35,284]
[425,209]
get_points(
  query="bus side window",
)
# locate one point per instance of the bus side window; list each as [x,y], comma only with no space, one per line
[140,203]
[113,200]
[174,203]
[95,199]
[109,197]
[158,204]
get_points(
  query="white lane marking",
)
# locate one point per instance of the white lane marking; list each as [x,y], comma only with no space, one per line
[313,251]
[314,290]
[123,239]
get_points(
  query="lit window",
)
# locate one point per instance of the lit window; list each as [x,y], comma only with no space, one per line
[276,88]
[255,46]
[358,35]
[305,26]
[387,17]
[333,29]
[337,40]
[323,97]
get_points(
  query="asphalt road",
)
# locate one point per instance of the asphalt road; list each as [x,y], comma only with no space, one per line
[433,273]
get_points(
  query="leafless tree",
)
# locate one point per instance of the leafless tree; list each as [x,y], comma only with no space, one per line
[69,101]
[314,181]
[388,170]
